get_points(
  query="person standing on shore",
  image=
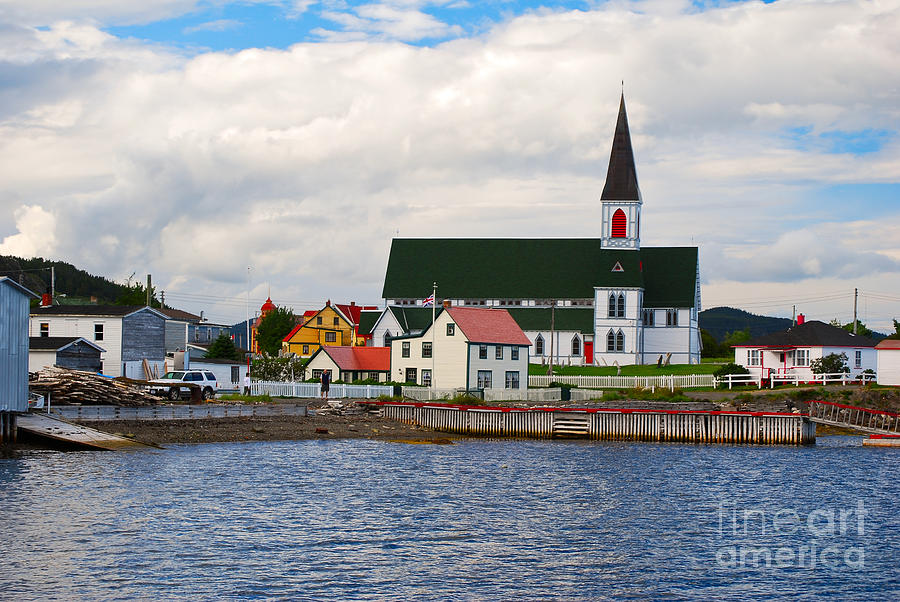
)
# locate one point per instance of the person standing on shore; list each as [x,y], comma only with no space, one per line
[247,383]
[326,380]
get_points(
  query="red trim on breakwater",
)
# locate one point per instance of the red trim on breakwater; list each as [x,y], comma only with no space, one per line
[425,404]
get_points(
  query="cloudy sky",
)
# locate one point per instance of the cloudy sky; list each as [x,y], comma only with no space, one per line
[192,139]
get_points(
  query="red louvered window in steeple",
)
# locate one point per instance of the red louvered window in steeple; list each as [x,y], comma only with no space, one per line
[619,223]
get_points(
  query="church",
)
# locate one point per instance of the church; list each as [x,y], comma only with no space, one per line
[644,300]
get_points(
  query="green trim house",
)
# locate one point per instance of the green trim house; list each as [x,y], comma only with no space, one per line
[644,301]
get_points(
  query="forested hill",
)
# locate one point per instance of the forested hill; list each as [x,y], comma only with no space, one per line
[71,283]
[720,321]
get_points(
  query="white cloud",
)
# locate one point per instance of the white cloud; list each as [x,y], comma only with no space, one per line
[304,163]
[36,234]
[394,20]
[217,25]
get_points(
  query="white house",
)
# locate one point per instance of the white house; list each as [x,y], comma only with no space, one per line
[396,320]
[645,300]
[131,335]
[467,347]
[790,352]
[888,361]
[349,364]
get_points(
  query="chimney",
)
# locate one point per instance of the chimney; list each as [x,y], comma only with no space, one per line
[446,303]
[328,303]
[46,299]
[800,319]
[353,304]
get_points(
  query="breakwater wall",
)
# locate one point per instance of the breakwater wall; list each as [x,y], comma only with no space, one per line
[624,424]
[177,412]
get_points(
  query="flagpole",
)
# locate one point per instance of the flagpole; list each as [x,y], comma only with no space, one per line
[433,304]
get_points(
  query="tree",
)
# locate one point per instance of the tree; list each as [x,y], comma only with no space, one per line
[273,328]
[136,294]
[223,348]
[861,328]
[830,364]
[896,334]
[266,367]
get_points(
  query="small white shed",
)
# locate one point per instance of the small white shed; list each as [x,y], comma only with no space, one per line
[888,359]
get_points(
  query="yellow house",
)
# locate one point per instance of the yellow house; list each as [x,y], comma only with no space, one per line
[325,328]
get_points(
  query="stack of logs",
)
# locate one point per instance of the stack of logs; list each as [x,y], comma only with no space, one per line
[68,387]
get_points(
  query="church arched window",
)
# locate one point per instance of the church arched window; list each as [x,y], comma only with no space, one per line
[387,338]
[611,312]
[619,224]
[620,309]
[576,346]
[610,341]
[620,341]
[539,345]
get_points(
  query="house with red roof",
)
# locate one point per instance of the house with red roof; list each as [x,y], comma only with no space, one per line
[888,359]
[349,364]
[466,347]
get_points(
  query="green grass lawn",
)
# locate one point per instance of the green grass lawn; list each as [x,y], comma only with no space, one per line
[717,360]
[647,370]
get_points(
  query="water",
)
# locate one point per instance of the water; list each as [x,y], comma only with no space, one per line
[361,519]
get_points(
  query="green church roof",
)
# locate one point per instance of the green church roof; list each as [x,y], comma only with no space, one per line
[548,268]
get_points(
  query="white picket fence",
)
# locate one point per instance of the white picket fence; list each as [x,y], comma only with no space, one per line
[311,390]
[669,381]
[780,378]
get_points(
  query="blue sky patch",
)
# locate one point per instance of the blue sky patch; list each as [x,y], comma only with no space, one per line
[857,142]
[239,25]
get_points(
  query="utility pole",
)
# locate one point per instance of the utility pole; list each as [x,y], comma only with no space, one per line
[855,295]
[794,316]
[52,283]
[433,311]
[248,313]
[162,299]
[149,295]
[552,328]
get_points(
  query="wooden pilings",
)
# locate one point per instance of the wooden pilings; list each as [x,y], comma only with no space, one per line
[7,427]
[609,425]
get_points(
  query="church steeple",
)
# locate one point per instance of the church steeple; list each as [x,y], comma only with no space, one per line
[621,198]
[621,176]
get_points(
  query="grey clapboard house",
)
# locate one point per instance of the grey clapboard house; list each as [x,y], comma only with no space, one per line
[130,334]
[75,353]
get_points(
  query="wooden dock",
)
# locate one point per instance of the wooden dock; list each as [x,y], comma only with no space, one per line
[56,429]
[865,420]
[677,426]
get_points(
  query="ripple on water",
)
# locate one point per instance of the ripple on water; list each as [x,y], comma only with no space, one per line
[480,519]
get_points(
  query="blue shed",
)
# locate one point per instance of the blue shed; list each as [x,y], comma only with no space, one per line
[14,301]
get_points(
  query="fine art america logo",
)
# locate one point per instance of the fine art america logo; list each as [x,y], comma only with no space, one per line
[824,537]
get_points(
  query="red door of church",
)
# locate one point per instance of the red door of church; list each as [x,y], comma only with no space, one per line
[589,352]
